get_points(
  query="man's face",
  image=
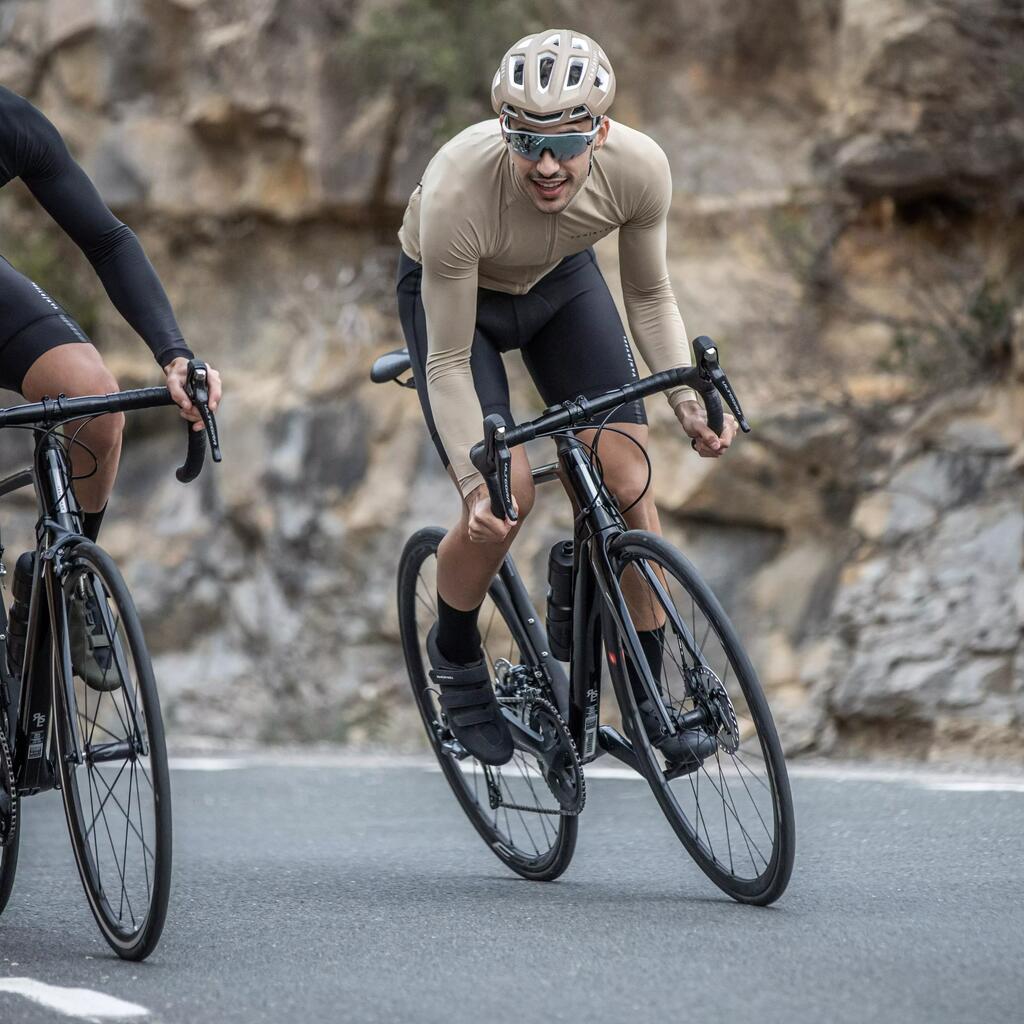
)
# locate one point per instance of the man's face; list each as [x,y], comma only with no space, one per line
[550,183]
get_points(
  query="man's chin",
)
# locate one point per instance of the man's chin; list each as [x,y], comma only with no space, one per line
[556,204]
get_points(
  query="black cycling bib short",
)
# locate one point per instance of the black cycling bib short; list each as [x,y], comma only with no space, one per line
[566,328]
[31,321]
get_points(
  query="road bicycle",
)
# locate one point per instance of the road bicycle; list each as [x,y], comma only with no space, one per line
[732,810]
[79,709]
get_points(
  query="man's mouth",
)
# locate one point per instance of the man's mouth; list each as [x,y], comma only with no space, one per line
[549,188]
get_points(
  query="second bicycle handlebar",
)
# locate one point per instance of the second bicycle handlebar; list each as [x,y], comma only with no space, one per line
[51,411]
[492,456]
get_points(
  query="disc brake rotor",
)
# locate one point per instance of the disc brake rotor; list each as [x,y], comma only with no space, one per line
[709,691]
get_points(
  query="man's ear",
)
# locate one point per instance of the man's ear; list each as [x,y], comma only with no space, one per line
[602,132]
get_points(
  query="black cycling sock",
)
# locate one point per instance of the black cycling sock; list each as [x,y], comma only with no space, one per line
[91,522]
[652,643]
[458,638]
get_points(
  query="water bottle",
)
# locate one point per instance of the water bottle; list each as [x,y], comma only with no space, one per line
[560,581]
[17,623]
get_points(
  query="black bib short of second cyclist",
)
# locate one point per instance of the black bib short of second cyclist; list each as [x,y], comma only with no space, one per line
[31,323]
[567,329]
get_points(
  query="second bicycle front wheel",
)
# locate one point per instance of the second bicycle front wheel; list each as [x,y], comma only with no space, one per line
[732,810]
[112,760]
[512,806]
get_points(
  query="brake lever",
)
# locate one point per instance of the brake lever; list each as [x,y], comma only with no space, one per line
[707,360]
[197,387]
[493,460]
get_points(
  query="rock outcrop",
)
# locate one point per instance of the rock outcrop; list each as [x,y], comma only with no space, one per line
[847,223]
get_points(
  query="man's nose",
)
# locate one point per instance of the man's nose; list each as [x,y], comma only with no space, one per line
[548,165]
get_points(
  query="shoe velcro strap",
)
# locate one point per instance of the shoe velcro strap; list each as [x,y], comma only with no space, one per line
[456,677]
[468,717]
[467,697]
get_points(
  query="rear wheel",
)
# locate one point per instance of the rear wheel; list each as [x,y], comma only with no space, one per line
[513,807]
[112,760]
[733,811]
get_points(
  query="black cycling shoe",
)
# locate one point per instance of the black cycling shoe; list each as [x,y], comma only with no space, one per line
[684,750]
[470,707]
[92,656]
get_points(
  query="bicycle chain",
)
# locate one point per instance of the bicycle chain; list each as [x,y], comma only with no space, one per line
[9,822]
[494,791]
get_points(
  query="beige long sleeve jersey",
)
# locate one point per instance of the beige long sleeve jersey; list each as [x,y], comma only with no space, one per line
[471,225]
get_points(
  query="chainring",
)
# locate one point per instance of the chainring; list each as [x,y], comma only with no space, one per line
[708,690]
[8,800]
[562,768]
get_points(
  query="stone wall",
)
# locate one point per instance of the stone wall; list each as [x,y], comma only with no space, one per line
[847,224]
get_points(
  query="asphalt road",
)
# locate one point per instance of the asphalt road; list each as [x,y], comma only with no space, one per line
[340,890]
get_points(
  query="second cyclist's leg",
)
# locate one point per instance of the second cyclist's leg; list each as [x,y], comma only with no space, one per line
[76,370]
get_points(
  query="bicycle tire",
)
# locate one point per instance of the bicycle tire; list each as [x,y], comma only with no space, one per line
[538,865]
[134,937]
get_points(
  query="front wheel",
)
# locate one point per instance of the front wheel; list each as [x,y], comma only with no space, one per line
[111,757]
[733,810]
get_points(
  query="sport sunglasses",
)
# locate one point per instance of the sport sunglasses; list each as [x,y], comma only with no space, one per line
[531,145]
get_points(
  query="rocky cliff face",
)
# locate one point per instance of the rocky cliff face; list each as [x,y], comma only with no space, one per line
[847,223]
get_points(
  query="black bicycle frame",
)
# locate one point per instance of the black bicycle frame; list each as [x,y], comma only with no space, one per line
[599,610]
[32,742]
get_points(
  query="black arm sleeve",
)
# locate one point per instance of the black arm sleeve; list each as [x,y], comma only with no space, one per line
[70,198]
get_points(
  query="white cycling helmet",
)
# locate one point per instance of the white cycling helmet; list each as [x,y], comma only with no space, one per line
[552,77]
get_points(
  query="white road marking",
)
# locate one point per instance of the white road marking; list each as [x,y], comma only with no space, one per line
[205,764]
[931,777]
[981,786]
[83,1003]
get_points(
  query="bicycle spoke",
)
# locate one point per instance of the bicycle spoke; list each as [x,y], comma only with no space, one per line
[107,797]
[127,816]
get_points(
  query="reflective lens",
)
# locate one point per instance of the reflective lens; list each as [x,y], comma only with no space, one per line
[565,146]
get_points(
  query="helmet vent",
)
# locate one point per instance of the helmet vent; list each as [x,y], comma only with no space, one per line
[580,44]
[545,65]
[575,73]
[552,40]
[518,70]
[602,79]
[535,118]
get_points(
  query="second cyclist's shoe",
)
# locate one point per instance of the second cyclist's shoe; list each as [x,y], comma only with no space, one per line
[684,750]
[92,656]
[470,707]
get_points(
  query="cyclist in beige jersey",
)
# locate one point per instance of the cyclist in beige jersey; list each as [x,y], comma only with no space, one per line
[496,254]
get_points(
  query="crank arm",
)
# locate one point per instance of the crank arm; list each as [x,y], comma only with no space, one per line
[525,738]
